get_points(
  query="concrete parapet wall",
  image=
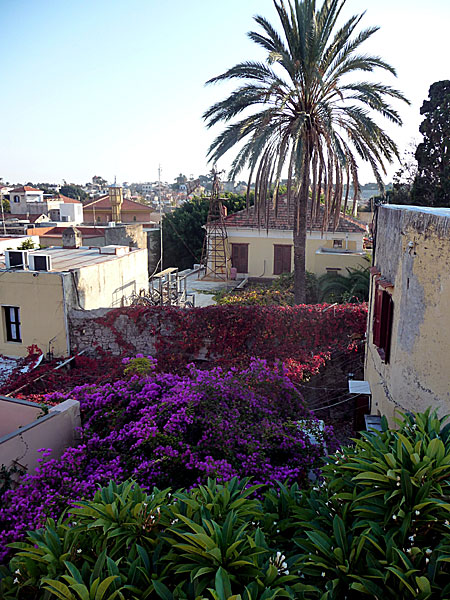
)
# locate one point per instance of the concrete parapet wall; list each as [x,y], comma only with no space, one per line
[30,430]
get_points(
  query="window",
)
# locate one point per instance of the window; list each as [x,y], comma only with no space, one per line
[382,321]
[98,219]
[12,321]
[239,257]
[134,217]
[281,259]
[337,243]
[16,198]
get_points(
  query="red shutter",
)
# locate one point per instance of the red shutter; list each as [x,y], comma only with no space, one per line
[239,257]
[377,315]
[388,315]
[277,260]
[286,259]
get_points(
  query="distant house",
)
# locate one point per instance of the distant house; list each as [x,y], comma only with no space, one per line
[35,300]
[408,344]
[21,197]
[100,211]
[69,211]
[26,202]
[264,249]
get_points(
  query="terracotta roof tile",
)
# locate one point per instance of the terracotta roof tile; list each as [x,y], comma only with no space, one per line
[25,188]
[104,202]
[283,220]
[67,200]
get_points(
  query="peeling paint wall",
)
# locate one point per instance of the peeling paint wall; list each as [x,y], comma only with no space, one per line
[413,253]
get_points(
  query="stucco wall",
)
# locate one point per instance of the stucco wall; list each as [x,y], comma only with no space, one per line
[261,252]
[39,297]
[56,431]
[413,253]
[107,284]
[16,413]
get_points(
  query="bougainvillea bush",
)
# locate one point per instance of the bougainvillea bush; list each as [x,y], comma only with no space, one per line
[375,526]
[170,430]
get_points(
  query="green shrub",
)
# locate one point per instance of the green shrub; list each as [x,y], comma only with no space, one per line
[280,292]
[377,525]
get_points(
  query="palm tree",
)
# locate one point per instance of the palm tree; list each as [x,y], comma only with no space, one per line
[334,287]
[313,120]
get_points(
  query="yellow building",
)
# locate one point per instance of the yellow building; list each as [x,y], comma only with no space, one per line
[408,345]
[35,300]
[265,250]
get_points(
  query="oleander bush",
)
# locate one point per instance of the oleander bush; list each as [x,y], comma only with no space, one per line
[375,525]
[166,430]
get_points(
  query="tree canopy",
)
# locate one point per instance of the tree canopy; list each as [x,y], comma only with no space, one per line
[312,120]
[74,191]
[432,183]
[183,231]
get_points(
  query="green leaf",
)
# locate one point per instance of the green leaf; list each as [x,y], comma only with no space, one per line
[58,588]
[339,532]
[162,590]
[423,584]
[104,585]
[436,449]
[222,584]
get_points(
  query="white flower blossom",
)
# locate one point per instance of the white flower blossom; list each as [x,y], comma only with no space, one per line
[17,571]
[79,551]
[16,580]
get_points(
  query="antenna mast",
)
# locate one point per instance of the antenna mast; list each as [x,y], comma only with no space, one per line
[160,217]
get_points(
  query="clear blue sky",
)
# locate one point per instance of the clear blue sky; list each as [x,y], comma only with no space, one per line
[115,87]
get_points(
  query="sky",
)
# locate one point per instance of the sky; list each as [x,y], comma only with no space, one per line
[117,87]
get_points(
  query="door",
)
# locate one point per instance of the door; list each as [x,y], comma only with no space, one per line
[239,257]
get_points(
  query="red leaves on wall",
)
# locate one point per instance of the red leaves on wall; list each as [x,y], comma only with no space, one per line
[303,337]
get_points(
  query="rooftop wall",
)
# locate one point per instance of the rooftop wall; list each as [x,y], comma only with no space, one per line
[413,253]
[30,430]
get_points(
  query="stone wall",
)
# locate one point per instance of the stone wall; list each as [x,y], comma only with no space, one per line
[227,335]
[87,332]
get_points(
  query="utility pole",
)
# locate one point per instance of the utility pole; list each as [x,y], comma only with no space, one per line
[160,216]
[3,213]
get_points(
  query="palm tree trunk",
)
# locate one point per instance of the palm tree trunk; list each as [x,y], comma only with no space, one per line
[300,248]
[300,211]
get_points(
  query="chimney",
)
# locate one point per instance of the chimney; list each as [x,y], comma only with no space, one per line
[71,238]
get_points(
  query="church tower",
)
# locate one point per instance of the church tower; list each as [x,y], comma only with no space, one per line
[116,199]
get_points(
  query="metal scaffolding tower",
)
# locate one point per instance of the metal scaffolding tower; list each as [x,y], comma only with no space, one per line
[215,258]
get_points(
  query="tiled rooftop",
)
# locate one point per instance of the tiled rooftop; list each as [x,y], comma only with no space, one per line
[105,202]
[284,221]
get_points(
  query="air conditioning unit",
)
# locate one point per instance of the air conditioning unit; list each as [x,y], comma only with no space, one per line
[16,259]
[40,262]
